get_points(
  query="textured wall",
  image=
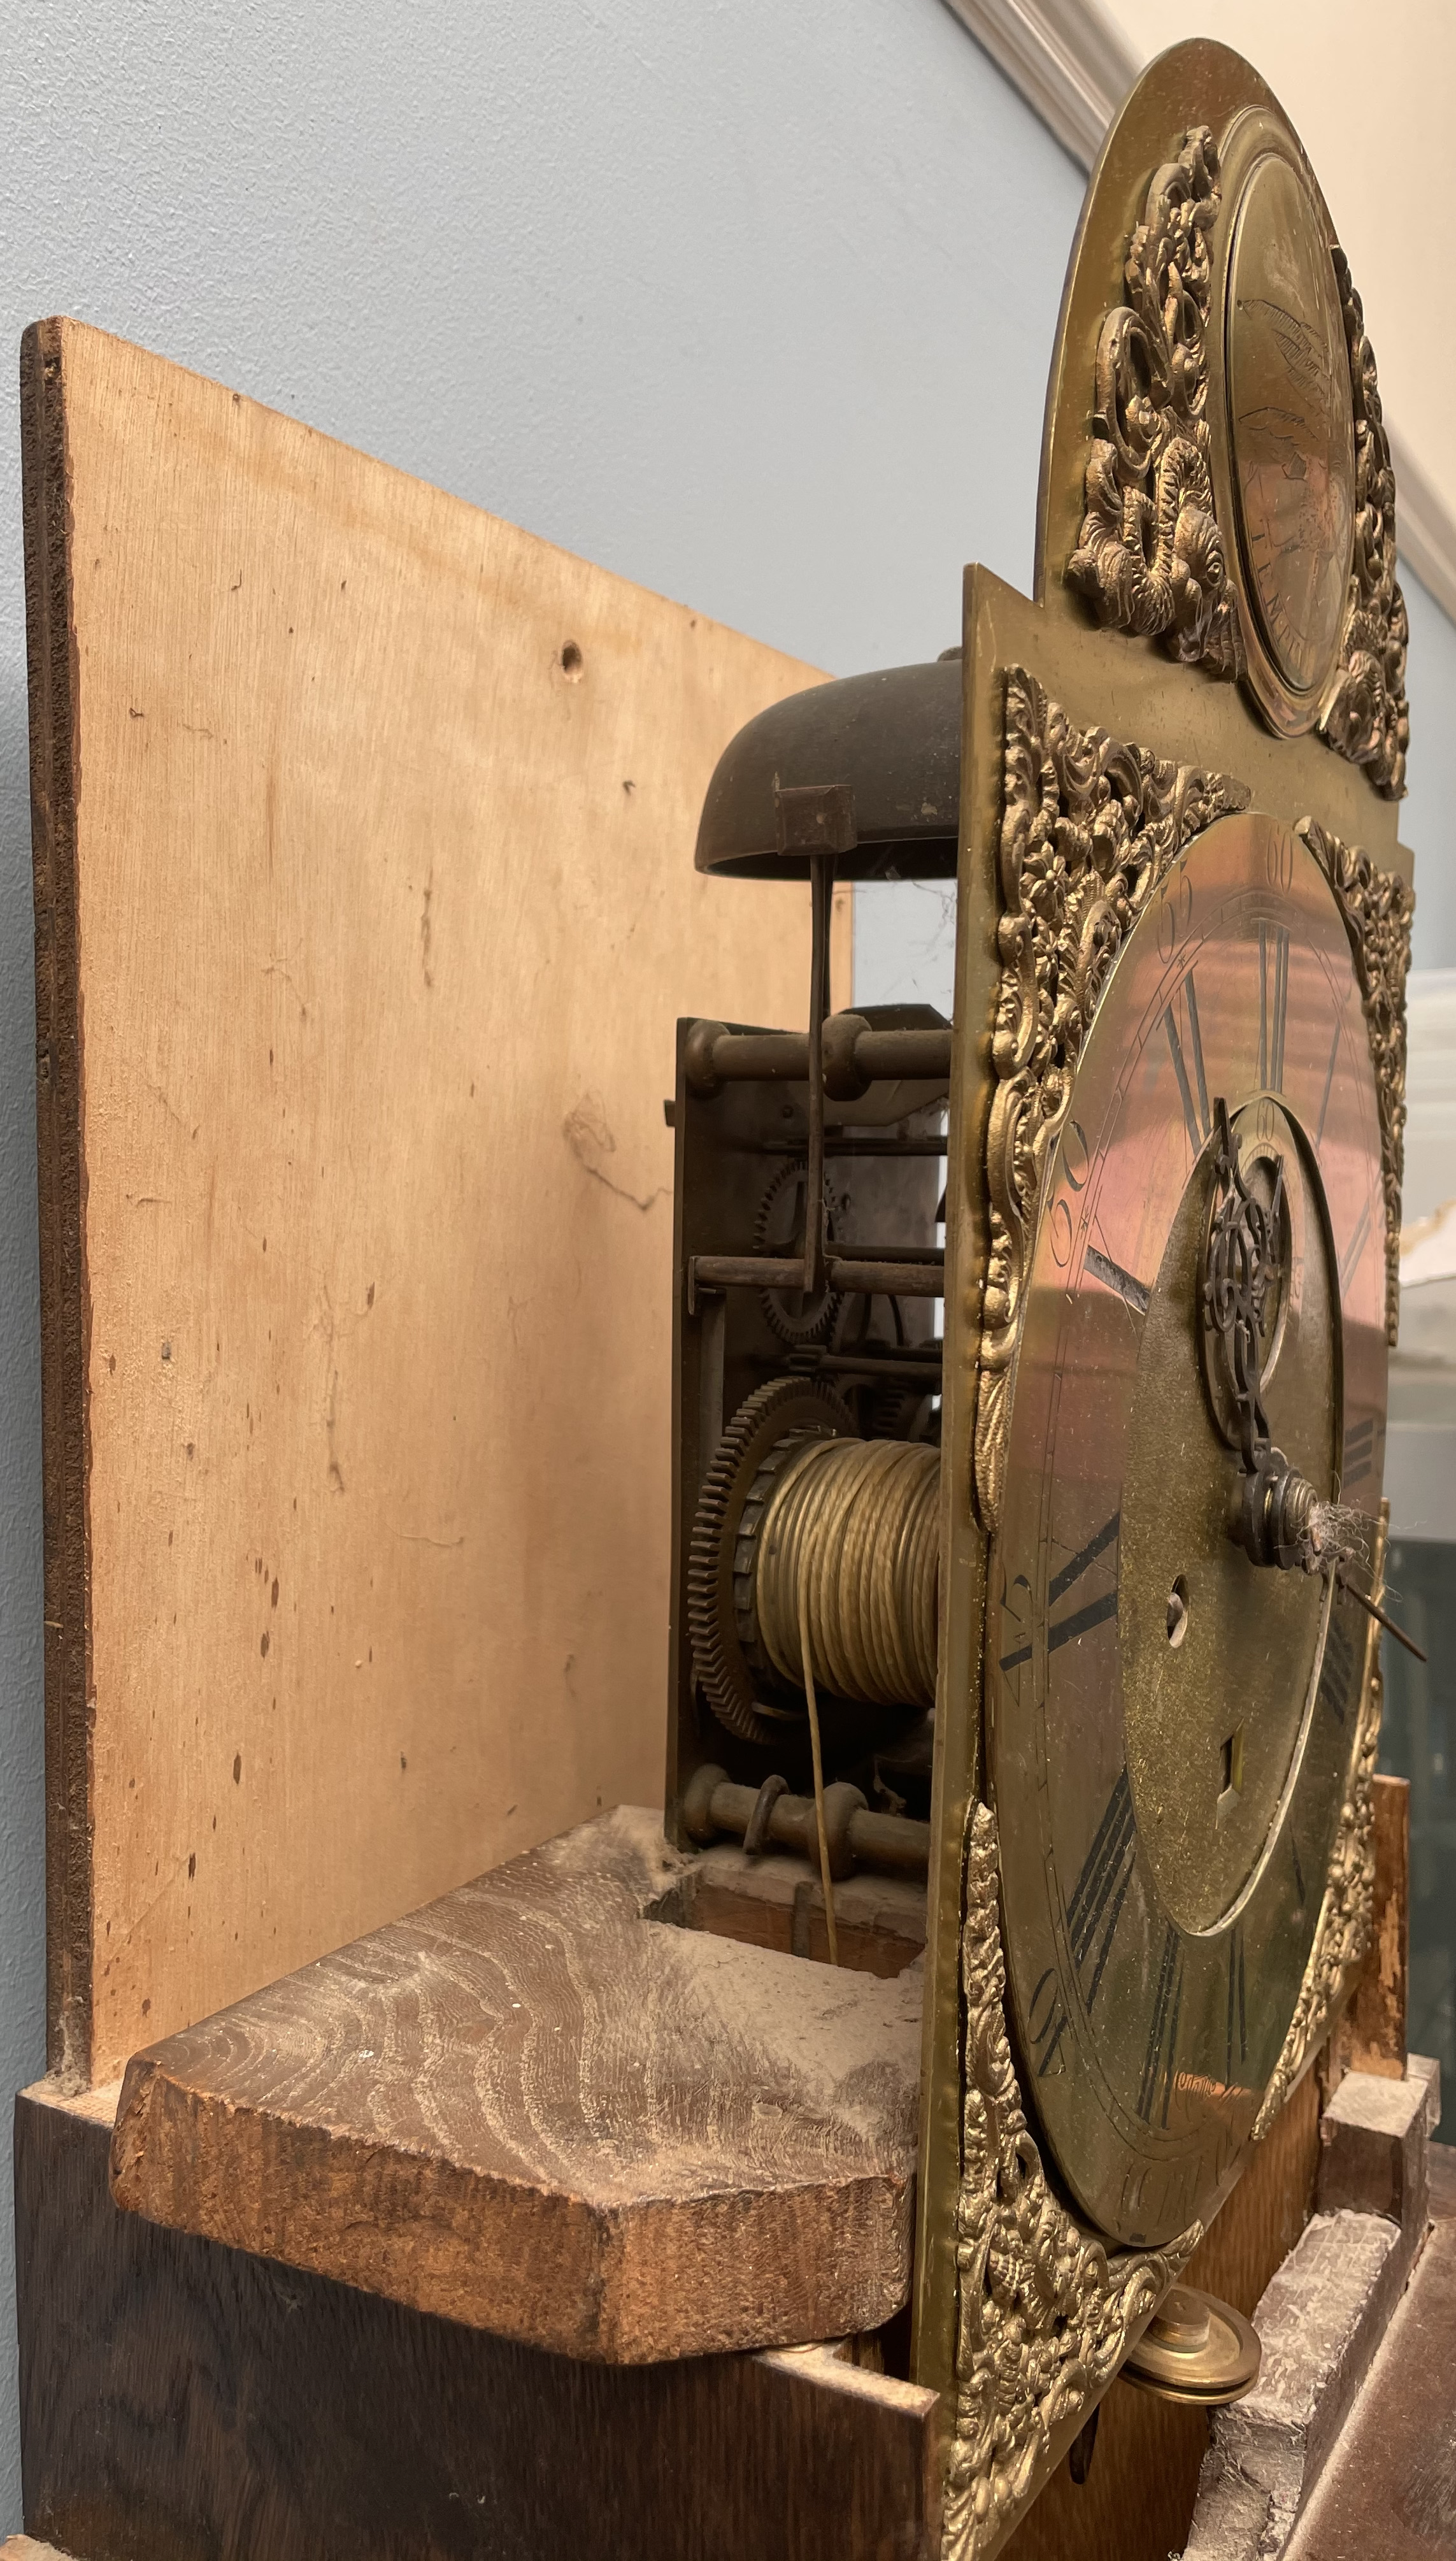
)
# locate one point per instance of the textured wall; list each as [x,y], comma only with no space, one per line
[753,302]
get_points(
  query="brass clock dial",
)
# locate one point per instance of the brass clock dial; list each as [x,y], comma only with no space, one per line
[1288,464]
[1169,1723]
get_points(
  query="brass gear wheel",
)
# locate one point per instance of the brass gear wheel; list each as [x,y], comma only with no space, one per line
[816,1323]
[772,1422]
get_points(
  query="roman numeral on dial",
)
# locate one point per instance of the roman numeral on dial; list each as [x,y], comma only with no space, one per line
[1015,1596]
[1355,1249]
[1338,1670]
[1237,2041]
[1328,1081]
[1156,2086]
[1359,1453]
[1273,1003]
[1097,1897]
[1187,1046]
[1062,1632]
[1046,2025]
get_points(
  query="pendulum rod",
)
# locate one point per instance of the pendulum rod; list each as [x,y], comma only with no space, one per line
[822,890]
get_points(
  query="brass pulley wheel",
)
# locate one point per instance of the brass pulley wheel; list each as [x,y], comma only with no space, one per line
[1196,2348]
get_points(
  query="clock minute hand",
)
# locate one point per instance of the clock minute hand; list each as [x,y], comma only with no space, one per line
[1276,1514]
[1281,1520]
[1365,1603]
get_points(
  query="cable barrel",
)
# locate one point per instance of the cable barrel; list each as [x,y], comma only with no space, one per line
[854,1526]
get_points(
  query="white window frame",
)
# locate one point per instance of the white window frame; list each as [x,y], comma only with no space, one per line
[1075,66]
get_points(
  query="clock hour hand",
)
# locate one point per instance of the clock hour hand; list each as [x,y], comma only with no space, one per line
[1277,1507]
[1280,1520]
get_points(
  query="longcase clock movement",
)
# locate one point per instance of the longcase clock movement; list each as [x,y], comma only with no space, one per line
[1072,1597]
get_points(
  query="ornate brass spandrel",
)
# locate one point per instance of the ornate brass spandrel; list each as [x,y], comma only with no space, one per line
[1157,552]
[1377,909]
[1044,2313]
[1367,716]
[1089,825]
[1342,1933]
[1151,557]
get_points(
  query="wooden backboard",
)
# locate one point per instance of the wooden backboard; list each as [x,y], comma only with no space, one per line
[365,905]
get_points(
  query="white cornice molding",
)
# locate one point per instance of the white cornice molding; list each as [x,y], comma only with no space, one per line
[1075,67]
[1066,58]
[1425,532]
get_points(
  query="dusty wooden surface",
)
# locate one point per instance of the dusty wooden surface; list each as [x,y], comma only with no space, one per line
[530,2108]
[365,905]
[1319,2325]
[1372,2034]
[1375,2149]
[1137,2501]
[185,2402]
[1390,2493]
[777,1901]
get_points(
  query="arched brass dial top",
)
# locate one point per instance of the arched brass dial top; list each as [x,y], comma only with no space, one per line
[1283,447]
[1289,417]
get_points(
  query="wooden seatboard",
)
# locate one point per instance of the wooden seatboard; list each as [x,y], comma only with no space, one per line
[365,905]
[777,1901]
[180,2401]
[538,2109]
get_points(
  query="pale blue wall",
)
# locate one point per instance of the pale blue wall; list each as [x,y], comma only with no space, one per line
[1429,812]
[753,302]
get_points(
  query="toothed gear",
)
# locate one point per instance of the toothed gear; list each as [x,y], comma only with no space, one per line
[775,1420]
[817,1322]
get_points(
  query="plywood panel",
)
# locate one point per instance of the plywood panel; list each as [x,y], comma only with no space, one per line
[365,905]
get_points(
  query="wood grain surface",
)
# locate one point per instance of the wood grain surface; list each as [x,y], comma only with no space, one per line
[777,1901]
[530,2108]
[185,2402]
[365,905]
[1389,2491]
